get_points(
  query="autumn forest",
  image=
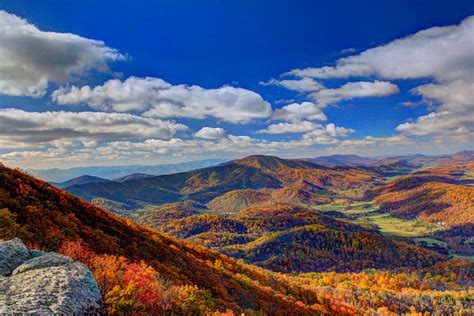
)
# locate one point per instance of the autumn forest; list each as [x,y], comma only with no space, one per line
[263,235]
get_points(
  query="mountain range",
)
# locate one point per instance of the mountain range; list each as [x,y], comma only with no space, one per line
[115,172]
[203,185]
[209,204]
[259,235]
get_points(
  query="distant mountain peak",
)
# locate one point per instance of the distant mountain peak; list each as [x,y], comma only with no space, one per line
[258,158]
[259,161]
[340,160]
[134,176]
[464,155]
[85,179]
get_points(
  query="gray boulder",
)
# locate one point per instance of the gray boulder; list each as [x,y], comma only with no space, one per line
[12,254]
[38,283]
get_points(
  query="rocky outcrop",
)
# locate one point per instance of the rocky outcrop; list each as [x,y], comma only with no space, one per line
[35,282]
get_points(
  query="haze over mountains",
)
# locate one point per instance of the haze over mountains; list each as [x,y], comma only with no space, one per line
[114,172]
[122,173]
[414,159]
[78,181]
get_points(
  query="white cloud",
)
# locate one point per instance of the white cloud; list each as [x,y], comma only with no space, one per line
[373,142]
[45,128]
[328,134]
[298,111]
[320,135]
[157,98]
[453,117]
[439,123]
[31,58]
[34,154]
[301,85]
[210,133]
[382,146]
[444,53]
[67,152]
[353,90]
[282,128]
[455,96]
[133,94]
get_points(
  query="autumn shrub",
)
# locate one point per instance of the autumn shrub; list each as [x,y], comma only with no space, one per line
[136,288]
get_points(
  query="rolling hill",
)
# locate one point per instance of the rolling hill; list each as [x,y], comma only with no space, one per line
[300,192]
[342,160]
[197,280]
[46,217]
[78,181]
[133,176]
[203,185]
[443,194]
[317,248]
[288,238]
[393,165]
[401,197]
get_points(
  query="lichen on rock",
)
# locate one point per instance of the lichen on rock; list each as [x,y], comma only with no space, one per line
[35,282]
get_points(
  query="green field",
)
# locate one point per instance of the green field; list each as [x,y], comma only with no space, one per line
[390,225]
[468,175]
[367,214]
[330,207]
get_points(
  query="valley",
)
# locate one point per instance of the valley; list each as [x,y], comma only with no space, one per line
[398,198]
[260,234]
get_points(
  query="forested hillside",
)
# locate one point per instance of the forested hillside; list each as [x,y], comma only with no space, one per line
[254,172]
[411,196]
[443,194]
[140,271]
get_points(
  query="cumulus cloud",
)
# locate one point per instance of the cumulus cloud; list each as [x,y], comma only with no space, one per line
[313,133]
[328,134]
[439,123]
[320,135]
[157,98]
[301,85]
[210,133]
[376,146]
[134,150]
[133,94]
[298,111]
[443,53]
[353,90]
[49,128]
[373,142]
[283,128]
[456,96]
[454,114]
[31,58]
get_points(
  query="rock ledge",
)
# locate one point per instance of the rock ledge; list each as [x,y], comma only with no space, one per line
[35,282]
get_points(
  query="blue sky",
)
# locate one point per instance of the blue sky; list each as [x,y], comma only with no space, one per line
[359,105]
